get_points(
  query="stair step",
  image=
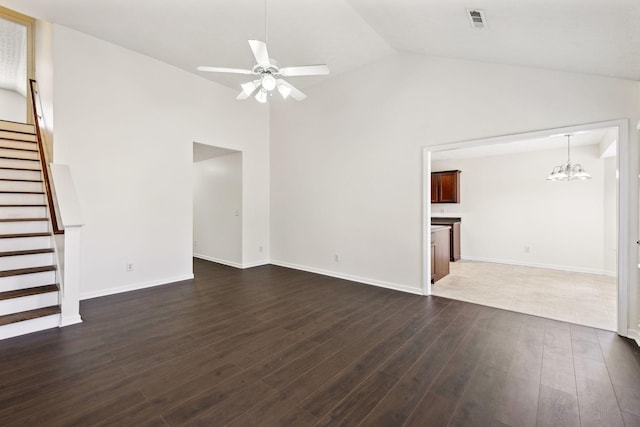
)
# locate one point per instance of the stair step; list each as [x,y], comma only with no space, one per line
[17,136]
[12,168]
[21,271]
[12,126]
[22,206]
[14,236]
[28,291]
[30,149]
[28,315]
[20,192]
[22,198]
[19,180]
[18,158]
[26,252]
[23,219]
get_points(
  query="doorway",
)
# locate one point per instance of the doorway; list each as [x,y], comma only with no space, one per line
[217,204]
[510,142]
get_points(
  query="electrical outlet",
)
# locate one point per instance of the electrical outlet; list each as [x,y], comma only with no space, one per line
[260,248]
[336,257]
[129,267]
[527,249]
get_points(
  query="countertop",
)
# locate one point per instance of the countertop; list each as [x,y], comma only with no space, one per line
[445,220]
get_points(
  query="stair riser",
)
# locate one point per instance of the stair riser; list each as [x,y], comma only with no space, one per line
[29,326]
[11,143]
[23,212]
[24,281]
[20,174]
[21,199]
[30,302]
[24,227]
[16,135]
[21,186]
[25,261]
[24,243]
[7,152]
[16,127]
[27,164]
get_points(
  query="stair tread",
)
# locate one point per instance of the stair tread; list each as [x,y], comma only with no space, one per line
[23,219]
[19,158]
[30,270]
[18,293]
[21,206]
[28,315]
[12,236]
[20,180]
[20,169]
[20,192]
[27,252]
[33,150]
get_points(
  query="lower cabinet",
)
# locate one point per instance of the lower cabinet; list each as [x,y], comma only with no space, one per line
[439,253]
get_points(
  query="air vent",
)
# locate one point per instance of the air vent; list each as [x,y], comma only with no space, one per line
[477,18]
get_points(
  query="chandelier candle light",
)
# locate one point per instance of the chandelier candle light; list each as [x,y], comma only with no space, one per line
[568,171]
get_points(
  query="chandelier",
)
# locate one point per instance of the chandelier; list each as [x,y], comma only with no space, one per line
[568,171]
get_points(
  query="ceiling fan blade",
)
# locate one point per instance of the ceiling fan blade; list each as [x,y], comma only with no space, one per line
[305,70]
[259,50]
[286,89]
[224,70]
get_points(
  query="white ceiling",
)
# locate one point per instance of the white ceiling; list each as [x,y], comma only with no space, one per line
[13,57]
[589,36]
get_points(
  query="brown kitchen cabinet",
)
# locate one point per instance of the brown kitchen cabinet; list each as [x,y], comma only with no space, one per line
[445,187]
[454,235]
[439,252]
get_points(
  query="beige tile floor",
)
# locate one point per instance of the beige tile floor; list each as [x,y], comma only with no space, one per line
[585,299]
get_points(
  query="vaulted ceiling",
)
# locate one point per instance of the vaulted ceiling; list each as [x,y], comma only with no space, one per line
[586,36]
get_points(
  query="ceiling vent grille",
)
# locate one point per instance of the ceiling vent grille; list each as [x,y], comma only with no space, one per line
[477,18]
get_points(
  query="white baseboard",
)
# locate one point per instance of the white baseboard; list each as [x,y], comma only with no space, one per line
[134,287]
[70,320]
[634,334]
[231,263]
[366,281]
[537,265]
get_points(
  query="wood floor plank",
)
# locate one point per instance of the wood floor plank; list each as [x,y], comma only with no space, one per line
[280,347]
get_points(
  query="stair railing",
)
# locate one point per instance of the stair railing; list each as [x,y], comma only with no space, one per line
[40,126]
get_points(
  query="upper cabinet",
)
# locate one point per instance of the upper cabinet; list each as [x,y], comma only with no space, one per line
[445,187]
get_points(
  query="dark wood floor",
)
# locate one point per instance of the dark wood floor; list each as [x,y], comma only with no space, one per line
[270,346]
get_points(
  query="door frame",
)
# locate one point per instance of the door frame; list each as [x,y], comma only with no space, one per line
[624,273]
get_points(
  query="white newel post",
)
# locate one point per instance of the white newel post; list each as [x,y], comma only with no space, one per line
[69,253]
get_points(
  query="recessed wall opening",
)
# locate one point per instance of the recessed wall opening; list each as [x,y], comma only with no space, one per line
[527,244]
[217,204]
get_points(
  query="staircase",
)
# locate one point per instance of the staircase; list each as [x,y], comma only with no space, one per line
[29,290]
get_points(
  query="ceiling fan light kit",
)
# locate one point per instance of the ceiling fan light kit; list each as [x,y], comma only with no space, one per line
[269,75]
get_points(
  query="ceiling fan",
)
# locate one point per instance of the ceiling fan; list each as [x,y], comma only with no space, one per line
[269,75]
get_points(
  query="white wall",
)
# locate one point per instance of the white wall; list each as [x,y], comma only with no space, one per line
[13,106]
[44,77]
[126,123]
[610,215]
[507,204]
[217,209]
[346,165]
